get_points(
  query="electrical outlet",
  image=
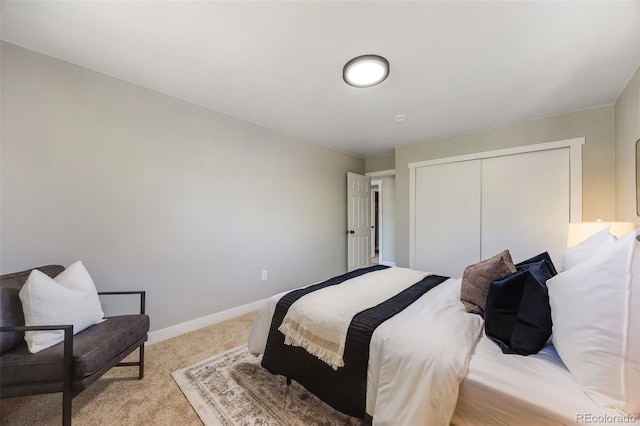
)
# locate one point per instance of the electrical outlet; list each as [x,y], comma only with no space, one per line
[264,275]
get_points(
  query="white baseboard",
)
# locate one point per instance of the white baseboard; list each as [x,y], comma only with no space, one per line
[384,262]
[198,323]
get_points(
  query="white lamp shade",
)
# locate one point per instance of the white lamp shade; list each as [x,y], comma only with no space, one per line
[578,232]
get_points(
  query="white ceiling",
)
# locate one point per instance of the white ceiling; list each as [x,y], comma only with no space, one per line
[456,66]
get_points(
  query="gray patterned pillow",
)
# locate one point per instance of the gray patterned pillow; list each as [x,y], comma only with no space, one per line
[477,278]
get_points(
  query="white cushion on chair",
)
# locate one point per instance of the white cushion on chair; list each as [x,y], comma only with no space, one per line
[69,298]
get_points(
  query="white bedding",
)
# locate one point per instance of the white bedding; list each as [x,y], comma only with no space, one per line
[534,390]
[416,359]
[407,384]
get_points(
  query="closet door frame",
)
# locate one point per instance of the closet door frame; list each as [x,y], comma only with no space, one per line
[575,173]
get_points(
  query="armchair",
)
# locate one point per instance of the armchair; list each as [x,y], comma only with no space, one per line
[72,365]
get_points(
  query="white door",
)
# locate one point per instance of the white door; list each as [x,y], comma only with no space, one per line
[525,204]
[448,221]
[358,221]
[526,198]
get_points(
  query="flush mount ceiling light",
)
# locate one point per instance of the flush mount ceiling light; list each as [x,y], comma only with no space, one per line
[366,71]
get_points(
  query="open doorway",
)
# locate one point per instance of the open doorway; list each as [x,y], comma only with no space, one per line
[376,222]
[383,230]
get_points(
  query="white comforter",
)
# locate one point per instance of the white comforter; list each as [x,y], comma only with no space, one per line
[417,359]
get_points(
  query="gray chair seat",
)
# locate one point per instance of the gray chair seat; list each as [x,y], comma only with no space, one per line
[93,348]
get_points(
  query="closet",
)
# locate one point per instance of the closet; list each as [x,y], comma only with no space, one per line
[468,208]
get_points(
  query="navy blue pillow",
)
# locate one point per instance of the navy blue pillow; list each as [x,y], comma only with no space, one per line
[541,257]
[540,270]
[517,313]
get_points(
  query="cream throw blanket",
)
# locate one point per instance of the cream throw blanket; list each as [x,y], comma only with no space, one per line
[319,321]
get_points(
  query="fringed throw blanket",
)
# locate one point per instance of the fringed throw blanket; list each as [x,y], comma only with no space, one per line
[318,322]
[343,388]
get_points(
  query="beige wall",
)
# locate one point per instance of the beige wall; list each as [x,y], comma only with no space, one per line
[155,193]
[596,125]
[627,125]
[380,164]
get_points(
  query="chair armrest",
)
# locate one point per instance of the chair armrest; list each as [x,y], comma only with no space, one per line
[67,328]
[68,335]
[38,327]
[141,293]
[67,353]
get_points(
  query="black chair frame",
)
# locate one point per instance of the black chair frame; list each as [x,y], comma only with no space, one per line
[67,387]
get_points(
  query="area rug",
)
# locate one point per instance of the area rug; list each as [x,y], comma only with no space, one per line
[233,389]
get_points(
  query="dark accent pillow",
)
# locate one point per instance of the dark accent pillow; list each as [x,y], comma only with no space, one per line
[542,256]
[476,279]
[540,271]
[517,313]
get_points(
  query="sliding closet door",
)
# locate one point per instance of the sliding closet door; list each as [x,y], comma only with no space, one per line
[525,204]
[447,217]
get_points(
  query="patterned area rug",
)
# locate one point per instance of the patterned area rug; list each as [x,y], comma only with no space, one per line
[233,389]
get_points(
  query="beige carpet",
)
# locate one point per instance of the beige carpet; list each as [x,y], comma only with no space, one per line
[117,399]
[233,389]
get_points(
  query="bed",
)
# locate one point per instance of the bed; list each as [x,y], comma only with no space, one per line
[501,389]
[432,364]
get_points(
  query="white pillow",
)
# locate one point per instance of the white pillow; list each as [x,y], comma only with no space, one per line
[595,308]
[69,298]
[581,252]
